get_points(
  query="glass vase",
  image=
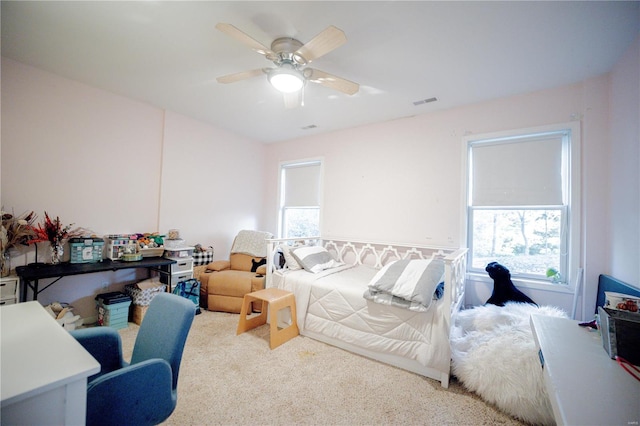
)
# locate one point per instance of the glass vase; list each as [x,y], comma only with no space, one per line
[5,264]
[57,252]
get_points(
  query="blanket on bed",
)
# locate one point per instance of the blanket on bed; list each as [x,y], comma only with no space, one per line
[408,283]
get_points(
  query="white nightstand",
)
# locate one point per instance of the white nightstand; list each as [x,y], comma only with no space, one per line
[585,386]
[9,290]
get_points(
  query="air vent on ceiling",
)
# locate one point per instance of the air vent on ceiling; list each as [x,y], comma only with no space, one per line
[425,101]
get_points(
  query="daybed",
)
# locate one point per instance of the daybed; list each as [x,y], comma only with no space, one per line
[331,306]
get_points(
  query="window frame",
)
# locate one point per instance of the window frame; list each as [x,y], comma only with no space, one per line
[281,191]
[571,207]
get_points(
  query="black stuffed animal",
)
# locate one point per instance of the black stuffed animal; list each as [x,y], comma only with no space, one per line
[503,289]
[255,265]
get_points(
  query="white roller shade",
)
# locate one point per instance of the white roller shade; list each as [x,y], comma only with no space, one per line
[302,185]
[517,173]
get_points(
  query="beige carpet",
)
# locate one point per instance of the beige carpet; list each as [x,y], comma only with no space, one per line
[227,380]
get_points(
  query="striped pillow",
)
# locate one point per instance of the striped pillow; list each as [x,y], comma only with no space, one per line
[314,259]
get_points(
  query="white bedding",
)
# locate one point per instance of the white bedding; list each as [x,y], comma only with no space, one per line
[331,303]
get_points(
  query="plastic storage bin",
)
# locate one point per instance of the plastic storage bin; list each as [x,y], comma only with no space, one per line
[113,309]
[178,253]
[86,250]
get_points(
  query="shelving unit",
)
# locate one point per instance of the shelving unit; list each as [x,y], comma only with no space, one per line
[9,290]
[181,270]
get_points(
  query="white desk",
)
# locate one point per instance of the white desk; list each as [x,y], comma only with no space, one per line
[43,369]
[585,386]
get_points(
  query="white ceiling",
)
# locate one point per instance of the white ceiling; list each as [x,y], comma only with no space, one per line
[168,54]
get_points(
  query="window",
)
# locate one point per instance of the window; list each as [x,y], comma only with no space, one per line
[300,199]
[522,205]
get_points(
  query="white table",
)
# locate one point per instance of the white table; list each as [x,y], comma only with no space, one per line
[43,369]
[585,386]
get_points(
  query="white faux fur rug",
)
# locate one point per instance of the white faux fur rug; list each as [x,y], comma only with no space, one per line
[495,356]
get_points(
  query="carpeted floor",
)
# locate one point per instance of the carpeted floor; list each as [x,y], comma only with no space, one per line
[227,379]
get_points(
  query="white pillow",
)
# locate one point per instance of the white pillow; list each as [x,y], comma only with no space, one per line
[291,263]
[314,259]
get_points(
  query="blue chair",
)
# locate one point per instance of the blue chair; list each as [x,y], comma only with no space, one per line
[143,392]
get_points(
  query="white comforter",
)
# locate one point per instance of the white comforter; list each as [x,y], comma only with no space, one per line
[331,303]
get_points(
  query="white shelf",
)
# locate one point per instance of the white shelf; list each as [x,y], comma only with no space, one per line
[585,386]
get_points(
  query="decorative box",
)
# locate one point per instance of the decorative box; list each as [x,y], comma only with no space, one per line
[86,250]
[143,292]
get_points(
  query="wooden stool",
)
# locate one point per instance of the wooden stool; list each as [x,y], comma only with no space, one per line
[277,300]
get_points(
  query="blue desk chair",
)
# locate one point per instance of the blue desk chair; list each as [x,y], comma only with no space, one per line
[143,392]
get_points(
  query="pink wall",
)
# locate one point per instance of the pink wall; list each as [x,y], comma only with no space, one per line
[115,165]
[625,167]
[204,192]
[402,181]
[89,156]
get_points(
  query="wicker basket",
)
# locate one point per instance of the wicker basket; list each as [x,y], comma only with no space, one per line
[152,252]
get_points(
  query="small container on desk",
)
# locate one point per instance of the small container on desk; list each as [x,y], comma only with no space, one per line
[86,250]
[117,246]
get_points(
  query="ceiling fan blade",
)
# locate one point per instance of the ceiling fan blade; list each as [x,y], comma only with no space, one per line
[232,78]
[328,40]
[243,37]
[333,82]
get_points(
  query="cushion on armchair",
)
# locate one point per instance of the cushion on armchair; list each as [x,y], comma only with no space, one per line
[243,262]
[218,265]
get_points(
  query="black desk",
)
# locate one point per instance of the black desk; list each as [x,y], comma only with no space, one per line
[30,274]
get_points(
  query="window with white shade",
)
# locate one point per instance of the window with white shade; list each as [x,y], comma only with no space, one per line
[300,186]
[522,202]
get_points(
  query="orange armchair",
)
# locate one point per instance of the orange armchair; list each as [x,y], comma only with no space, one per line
[225,282]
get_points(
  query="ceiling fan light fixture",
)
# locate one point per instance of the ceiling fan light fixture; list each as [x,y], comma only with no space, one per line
[286,79]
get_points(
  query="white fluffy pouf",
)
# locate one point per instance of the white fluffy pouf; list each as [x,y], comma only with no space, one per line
[494,355]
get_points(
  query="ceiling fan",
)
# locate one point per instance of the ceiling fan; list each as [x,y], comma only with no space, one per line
[291,58]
